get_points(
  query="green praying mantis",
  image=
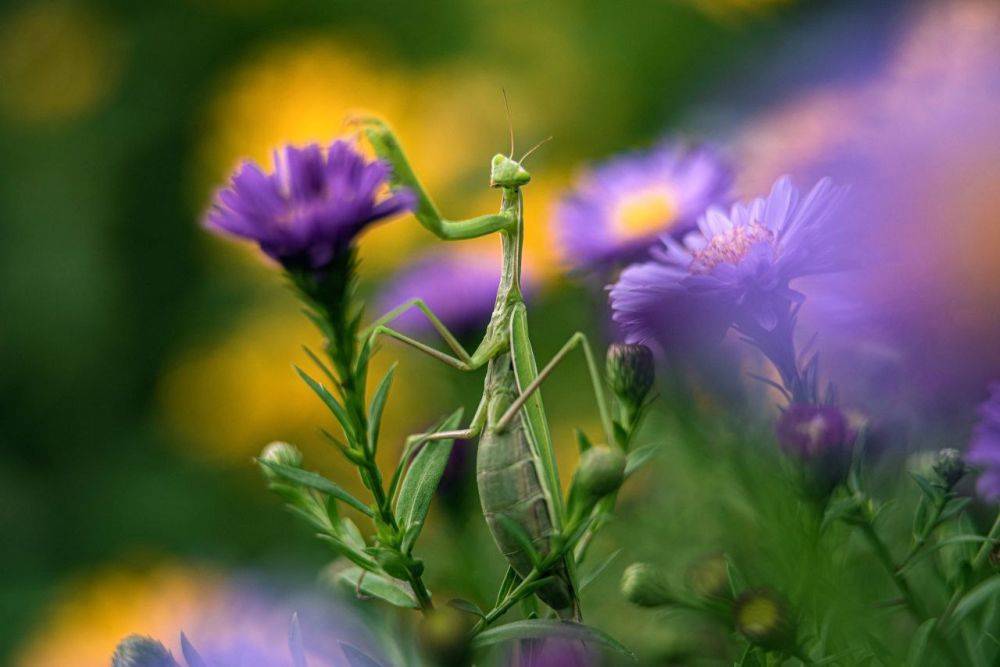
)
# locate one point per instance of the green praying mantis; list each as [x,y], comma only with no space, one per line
[517,475]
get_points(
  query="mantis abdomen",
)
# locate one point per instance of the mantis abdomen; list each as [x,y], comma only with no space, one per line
[509,487]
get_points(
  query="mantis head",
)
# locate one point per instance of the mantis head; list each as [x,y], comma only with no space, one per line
[506,172]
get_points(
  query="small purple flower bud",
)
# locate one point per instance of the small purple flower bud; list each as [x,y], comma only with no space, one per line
[643,585]
[630,371]
[762,617]
[820,438]
[139,651]
[601,471]
[950,466]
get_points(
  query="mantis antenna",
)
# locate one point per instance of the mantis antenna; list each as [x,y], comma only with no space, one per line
[535,148]
[510,123]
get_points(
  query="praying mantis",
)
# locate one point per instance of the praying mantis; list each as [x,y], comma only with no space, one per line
[517,475]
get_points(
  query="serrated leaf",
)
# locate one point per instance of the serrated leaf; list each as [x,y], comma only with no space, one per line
[542,628]
[591,576]
[467,606]
[376,408]
[390,590]
[917,653]
[422,477]
[316,481]
[356,657]
[638,457]
[979,595]
[330,401]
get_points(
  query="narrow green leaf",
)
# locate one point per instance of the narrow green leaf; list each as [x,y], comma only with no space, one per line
[948,541]
[356,657]
[638,457]
[467,606]
[920,517]
[351,535]
[376,408]
[510,579]
[979,595]
[932,493]
[591,576]
[420,481]
[390,590]
[316,481]
[330,401]
[320,364]
[918,653]
[346,550]
[541,628]
[582,441]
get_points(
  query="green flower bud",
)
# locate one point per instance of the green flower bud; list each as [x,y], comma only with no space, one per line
[643,585]
[139,651]
[762,617]
[443,636]
[630,372]
[282,453]
[709,577]
[601,471]
[950,466]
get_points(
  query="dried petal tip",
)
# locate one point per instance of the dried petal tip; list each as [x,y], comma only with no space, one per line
[280,453]
[630,371]
[601,471]
[762,617]
[139,651]
[950,466]
[643,585]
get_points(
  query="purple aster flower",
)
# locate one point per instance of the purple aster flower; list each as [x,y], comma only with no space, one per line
[459,287]
[984,450]
[820,438]
[736,268]
[311,207]
[621,207]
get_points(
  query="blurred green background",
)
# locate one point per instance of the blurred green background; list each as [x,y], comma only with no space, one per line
[144,362]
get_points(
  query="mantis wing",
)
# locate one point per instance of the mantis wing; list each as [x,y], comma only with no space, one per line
[526,370]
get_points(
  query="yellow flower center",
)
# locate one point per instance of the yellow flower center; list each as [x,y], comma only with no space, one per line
[730,247]
[646,211]
[759,616]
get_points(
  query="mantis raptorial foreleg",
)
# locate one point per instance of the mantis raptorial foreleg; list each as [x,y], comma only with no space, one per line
[439,326]
[387,148]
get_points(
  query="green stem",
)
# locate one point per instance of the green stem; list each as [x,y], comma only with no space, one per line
[984,550]
[929,529]
[509,601]
[885,558]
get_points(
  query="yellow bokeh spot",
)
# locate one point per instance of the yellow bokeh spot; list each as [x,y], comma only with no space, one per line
[57,61]
[91,616]
[645,212]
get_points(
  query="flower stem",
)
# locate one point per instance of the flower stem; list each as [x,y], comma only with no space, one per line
[885,558]
[928,530]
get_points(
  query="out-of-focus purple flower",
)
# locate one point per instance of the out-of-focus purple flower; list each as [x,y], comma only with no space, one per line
[736,268]
[552,652]
[820,438]
[459,287]
[311,207]
[915,330]
[984,450]
[621,207]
